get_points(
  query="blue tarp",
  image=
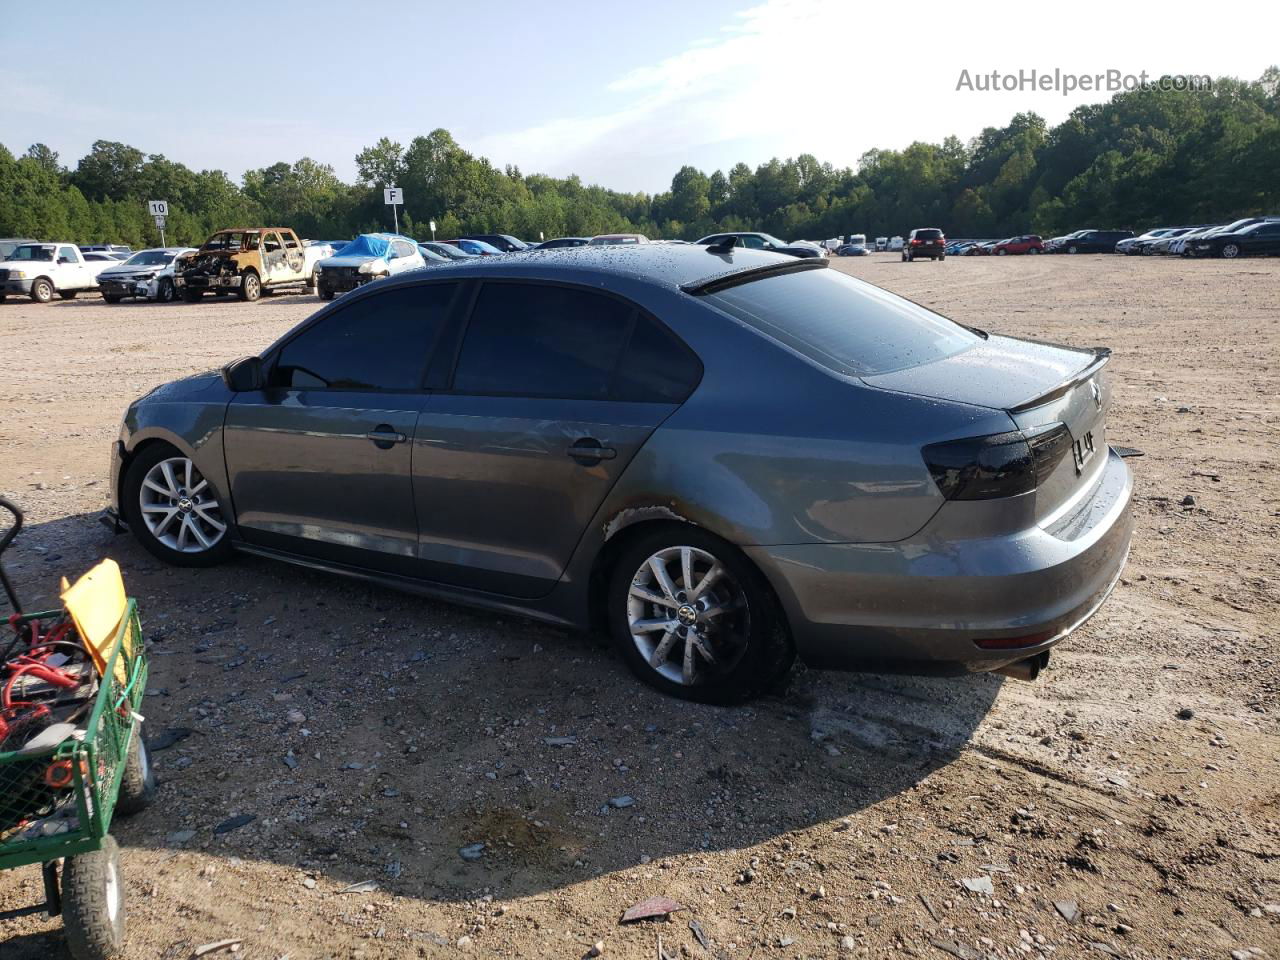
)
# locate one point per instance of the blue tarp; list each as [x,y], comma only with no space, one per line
[371,245]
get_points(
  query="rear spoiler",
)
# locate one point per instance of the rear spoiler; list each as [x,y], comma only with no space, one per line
[1101,355]
[735,277]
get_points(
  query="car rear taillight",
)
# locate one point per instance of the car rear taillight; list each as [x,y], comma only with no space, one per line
[999,465]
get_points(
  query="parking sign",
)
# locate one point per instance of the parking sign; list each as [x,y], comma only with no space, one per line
[392,195]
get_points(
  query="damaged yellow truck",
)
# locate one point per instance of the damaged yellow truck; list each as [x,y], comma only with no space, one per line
[248,261]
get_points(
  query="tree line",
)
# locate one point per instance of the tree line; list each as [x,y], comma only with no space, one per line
[1143,158]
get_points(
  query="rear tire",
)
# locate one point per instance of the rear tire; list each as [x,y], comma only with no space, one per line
[93,912]
[192,296]
[42,291]
[138,782]
[67,294]
[326,294]
[735,616]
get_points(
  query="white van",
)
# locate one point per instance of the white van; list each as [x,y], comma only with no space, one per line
[882,243]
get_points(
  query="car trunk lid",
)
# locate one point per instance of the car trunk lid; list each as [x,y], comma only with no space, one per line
[1038,385]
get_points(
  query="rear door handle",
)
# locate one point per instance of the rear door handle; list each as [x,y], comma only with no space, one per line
[384,436]
[589,450]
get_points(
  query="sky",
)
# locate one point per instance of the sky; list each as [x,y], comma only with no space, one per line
[620,94]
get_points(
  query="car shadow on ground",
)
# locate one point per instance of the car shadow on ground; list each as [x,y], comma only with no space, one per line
[365,735]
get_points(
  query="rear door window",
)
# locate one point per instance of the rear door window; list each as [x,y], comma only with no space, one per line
[848,326]
[656,366]
[378,342]
[541,340]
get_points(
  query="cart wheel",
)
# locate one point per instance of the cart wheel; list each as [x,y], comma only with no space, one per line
[138,782]
[93,903]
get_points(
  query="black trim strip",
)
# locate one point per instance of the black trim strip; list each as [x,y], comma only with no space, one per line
[726,280]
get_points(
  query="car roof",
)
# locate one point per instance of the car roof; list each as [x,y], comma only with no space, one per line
[669,266]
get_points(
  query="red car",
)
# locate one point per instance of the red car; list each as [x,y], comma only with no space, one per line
[1028,244]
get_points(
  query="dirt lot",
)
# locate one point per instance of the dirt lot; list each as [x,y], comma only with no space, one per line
[372,735]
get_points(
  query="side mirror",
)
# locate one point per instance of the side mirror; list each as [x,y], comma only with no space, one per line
[65,260]
[244,375]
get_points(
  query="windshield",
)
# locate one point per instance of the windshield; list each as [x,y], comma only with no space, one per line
[846,325]
[150,258]
[32,251]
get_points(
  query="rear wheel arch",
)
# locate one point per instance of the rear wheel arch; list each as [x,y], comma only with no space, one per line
[615,546]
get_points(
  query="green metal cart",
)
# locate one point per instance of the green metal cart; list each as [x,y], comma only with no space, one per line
[57,799]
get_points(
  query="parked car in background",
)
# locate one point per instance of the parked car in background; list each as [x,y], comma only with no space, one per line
[118,251]
[617,239]
[763,241]
[984,248]
[853,248]
[818,250]
[369,257]
[248,261]
[1179,246]
[1056,244]
[1256,240]
[1094,241]
[1233,227]
[560,242]
[39,270]
[147,275]
[895,244]
[580,439]
[9,244]
[102,260]
[477,248]
[430,256]
[448,250]
[1160,246]
[882,244]
[502,242]
[1133,246]
[924,242]
[1028,243]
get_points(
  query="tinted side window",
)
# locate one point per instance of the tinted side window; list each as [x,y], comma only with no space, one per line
[655,367]
[753,242]
[382,342]
[541,341]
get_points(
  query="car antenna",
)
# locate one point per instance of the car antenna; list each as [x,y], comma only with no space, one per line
[723,246]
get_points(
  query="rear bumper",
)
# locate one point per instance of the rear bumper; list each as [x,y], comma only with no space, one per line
[920,604]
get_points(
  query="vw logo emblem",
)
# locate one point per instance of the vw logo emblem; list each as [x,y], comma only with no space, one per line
[1097,393]
[687,615]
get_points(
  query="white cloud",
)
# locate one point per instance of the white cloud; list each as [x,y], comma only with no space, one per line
[837,78]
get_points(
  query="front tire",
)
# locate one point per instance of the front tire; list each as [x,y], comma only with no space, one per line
[112,299]
[192,295]
[693,618]
[325,294]
[1002,252]
[173,510]
[1230,251]
[93,903]
[1073,249]
[165,291]
[250,286]
[42,291]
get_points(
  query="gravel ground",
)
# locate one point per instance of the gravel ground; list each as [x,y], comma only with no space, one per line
[323,733]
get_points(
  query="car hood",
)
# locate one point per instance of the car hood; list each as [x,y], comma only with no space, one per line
[351,260]
[199,386]
[132,271]
[999,372]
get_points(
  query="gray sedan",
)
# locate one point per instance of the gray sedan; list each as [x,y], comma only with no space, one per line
[721,457]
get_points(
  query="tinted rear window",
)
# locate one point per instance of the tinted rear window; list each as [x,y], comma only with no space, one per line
[846,325]
[928,234]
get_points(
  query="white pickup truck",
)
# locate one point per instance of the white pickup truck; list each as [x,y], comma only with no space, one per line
[39,270]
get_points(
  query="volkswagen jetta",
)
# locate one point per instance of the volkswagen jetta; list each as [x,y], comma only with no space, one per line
[724,457]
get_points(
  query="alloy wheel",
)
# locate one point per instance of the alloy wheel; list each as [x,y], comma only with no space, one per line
[179,508]
[687,615]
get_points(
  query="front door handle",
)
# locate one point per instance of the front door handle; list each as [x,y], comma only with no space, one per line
[589,450]
[384,436]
